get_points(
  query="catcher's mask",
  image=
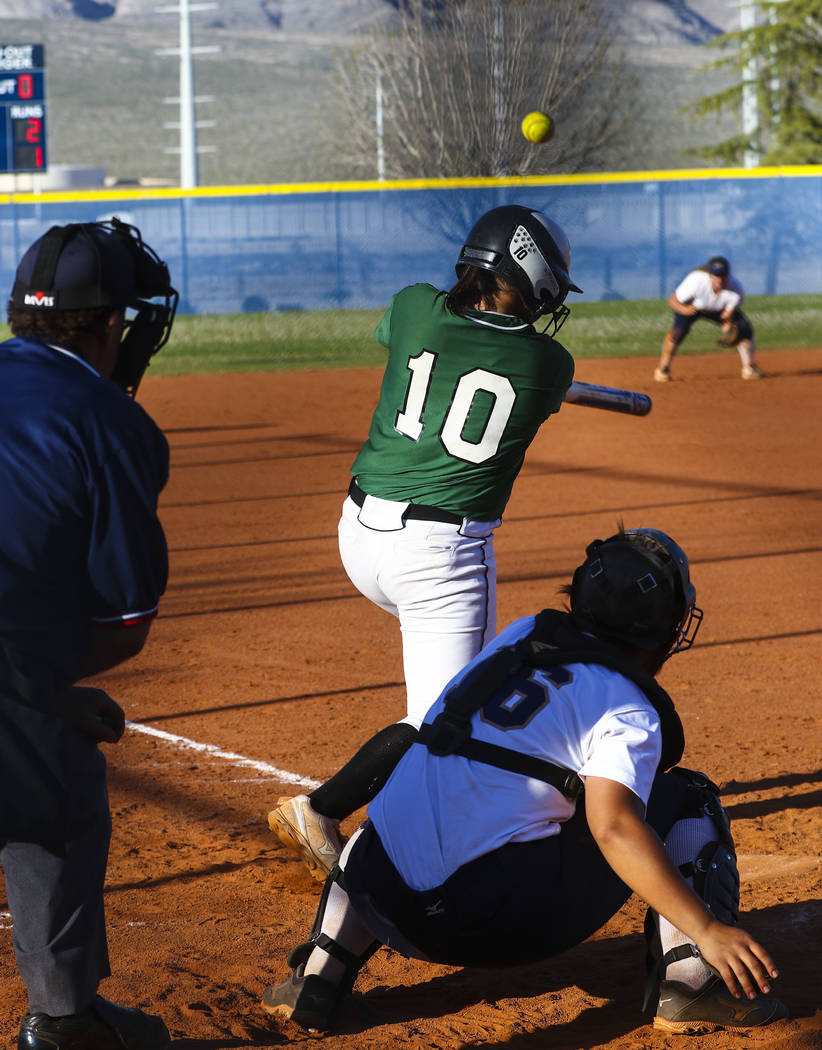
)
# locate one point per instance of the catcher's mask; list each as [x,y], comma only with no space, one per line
[86,266]
[528,250]
[634,589]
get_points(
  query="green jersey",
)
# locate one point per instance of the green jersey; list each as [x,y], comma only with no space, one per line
[461,401]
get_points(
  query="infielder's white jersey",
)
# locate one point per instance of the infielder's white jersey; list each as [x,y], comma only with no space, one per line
[696,290]
[437,813]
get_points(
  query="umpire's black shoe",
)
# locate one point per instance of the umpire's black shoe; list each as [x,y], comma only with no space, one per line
[103,1026]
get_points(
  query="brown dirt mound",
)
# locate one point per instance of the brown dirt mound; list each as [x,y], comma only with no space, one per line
[265,651]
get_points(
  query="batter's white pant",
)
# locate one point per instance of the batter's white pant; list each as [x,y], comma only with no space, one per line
[439,579]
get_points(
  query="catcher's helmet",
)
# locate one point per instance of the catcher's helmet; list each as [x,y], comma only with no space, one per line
[93,265]
[635,589]
[528,250]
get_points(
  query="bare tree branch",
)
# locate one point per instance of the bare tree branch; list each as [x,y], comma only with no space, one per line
[458,78]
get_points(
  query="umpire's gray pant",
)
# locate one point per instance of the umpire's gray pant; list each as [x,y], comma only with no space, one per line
[55,893]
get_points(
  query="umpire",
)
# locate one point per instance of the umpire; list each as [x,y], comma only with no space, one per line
[83,563]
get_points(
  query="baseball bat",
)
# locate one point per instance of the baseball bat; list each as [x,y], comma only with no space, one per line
[611,398]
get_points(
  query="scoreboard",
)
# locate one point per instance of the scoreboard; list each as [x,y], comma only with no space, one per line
[22,107]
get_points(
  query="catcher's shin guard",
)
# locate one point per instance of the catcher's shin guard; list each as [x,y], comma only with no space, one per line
[701,845]
[312,999]
[351,960]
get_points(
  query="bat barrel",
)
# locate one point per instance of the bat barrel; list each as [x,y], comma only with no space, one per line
[609,398]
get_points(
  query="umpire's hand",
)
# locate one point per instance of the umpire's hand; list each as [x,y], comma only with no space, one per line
[93,712]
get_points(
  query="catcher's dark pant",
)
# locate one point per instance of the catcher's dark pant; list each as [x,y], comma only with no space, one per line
[55,891]
[517,904]
[683,323]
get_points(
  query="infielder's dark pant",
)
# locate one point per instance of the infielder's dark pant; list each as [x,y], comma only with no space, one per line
[518,904]
[682,323]
[55,893]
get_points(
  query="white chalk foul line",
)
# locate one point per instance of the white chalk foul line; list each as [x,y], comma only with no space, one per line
[229,756]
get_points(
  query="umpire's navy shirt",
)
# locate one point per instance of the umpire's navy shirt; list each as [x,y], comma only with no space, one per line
[81,469]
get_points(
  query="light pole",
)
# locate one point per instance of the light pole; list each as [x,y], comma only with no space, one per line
[380,130]
[497,79]
[188,148]
[750,87]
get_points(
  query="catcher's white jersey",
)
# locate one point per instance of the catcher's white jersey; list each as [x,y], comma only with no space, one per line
[696,290]
[436,814]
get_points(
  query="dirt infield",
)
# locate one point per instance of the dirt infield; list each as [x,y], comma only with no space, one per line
[265,651]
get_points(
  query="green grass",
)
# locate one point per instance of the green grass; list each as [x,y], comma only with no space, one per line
[345,338]
[264,342]
[635,329]
[289,340]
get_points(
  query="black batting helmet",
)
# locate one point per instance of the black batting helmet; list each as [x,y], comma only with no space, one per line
[528,250]
[635,589]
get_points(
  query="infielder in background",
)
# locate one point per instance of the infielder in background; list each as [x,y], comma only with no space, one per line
[83,563]
[468,383]
[712,293]
[539,794]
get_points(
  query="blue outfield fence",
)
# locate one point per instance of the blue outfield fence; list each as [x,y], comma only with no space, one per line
[352,245]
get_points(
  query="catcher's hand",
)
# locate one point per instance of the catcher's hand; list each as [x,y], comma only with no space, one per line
[730,334]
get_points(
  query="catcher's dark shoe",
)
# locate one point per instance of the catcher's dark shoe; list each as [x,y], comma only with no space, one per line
[710,1008]
[309,1001]
[103,1026]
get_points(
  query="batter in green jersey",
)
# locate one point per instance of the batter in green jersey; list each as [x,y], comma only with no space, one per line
[461,401]
[469,381]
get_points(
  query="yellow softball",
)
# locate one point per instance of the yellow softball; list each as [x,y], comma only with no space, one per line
[537,127]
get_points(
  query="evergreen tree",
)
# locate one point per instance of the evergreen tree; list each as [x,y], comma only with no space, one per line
[780,60]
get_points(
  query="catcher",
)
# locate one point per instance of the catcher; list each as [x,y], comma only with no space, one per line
[542,789]
[712,293]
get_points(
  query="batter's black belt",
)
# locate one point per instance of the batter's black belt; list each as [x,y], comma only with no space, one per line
[417,511]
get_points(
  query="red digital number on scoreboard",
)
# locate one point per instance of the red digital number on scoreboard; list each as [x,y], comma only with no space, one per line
[28,134]
[22,107]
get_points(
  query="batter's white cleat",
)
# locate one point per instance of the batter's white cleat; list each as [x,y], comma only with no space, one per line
[662,374]
[301,828]
[751,372]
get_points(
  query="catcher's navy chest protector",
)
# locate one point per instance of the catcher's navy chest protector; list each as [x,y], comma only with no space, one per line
[555,641]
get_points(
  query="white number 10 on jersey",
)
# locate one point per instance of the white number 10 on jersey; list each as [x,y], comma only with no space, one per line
[410,420]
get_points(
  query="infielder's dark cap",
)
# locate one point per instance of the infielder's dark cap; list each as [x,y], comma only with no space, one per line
[80,266]
[718,266]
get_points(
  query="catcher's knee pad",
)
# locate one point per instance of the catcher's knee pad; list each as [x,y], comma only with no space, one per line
[713,870]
